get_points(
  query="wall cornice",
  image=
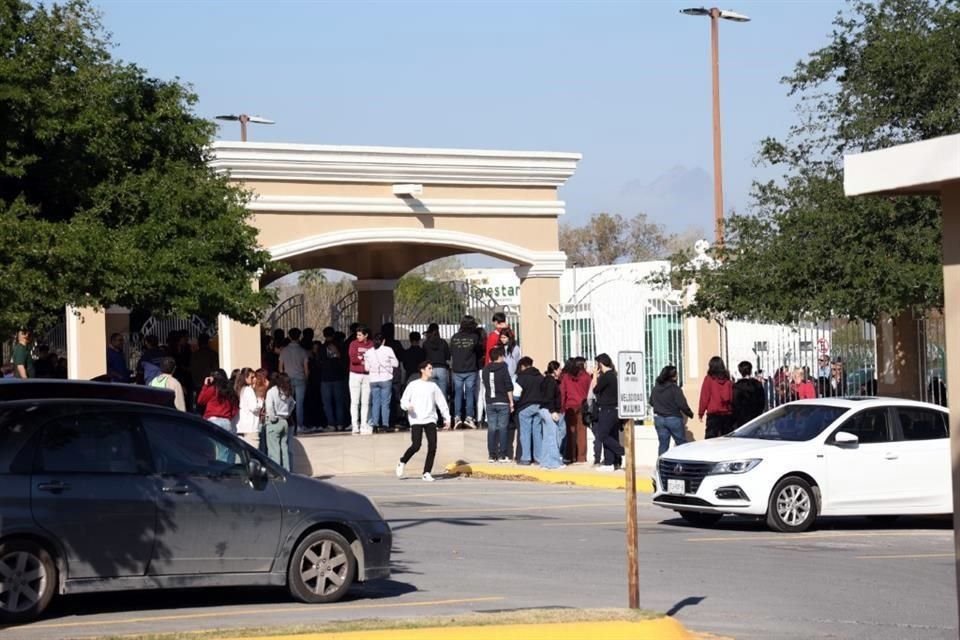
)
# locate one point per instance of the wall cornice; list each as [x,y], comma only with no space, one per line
[329,163]
[405,206]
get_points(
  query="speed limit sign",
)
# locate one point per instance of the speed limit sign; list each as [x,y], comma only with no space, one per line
[631,386]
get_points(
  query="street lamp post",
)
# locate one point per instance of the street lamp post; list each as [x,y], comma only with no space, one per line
[243,119]
[715,15]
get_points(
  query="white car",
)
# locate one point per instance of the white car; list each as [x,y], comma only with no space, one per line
[881,457]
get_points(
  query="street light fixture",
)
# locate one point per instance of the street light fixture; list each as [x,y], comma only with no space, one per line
[715,15]
[243,119]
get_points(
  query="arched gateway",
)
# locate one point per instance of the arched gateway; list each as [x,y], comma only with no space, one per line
[377,213]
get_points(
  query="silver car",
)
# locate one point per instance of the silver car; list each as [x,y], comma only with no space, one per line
[102,495]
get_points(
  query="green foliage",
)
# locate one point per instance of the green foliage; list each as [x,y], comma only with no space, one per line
[106,196]
[891,74]
[610,238]
[418,299]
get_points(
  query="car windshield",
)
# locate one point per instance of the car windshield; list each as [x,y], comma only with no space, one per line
[791,422]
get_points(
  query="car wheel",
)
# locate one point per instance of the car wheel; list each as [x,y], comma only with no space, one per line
[793,506]
[322,568]
[28,579]
[701,519]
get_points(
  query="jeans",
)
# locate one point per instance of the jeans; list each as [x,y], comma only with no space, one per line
[531,433]
[465,389]
[359,400]
[667,426]
[606,430]
[441,376]
[416,437]
[299,394]
[224,454]
[380,395]
[498,418]
[334,404]
[549,457]
[278,447]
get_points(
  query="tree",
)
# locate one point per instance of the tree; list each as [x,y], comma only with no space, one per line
[106,195]
[890,75]
[609,239]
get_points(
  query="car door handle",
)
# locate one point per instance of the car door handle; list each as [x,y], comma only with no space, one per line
[891,456]
[53,487]
[179,489]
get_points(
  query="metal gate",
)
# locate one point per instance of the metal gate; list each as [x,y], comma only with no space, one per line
[288,314]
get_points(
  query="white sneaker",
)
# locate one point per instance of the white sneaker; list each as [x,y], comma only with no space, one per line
[471,423]
[400,467]
[355,431]
[504,459]
[366,431]
[605,468]
[491,460]
[428,478]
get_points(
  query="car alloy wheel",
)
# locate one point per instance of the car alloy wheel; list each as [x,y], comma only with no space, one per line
[793,506]
[27,579]
[322,568]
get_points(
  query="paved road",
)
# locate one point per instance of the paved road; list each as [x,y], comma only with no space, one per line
[479,545]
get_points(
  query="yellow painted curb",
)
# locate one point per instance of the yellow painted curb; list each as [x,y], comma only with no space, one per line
[615,480]
[657,629]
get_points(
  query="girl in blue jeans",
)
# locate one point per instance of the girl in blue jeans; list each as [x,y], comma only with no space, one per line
[669,408]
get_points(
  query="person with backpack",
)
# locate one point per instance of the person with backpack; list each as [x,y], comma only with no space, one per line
[166,380]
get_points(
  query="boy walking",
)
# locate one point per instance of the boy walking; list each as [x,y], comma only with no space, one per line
[420,400]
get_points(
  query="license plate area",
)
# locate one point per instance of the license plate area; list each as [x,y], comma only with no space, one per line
[676,487]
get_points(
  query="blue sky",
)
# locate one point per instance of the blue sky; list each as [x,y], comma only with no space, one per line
[624,83]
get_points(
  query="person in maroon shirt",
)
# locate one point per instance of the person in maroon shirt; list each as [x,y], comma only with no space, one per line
[716,399]
[219,402]
[493,338]
[574,388]
[360,382]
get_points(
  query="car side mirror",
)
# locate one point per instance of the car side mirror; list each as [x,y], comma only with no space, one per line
[256,470]
[845,439]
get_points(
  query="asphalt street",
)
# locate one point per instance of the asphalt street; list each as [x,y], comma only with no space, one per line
[465,545]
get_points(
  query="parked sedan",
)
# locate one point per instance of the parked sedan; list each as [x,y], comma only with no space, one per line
[102,495]
[878,457]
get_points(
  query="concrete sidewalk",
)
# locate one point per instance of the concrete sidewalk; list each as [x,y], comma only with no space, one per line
[582,474]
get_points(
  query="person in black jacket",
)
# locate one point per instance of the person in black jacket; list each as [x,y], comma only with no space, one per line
[438,355]
[498,397]
[551,417]
[669,408]
[530,440]
[607,427]
[749,398]
[466,354]
[413,356]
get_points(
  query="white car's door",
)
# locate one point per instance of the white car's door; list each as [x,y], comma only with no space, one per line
[867,478]
[924,447]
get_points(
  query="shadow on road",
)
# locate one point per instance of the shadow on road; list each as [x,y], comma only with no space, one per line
[881,523]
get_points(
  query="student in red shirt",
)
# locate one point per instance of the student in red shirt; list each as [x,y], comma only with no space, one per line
[493,338]
[716,399]
[219,402]
[574,388]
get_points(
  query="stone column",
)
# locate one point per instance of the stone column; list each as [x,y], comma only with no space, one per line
[950,201]
[374,302]
[898,357]
[539,289]
[117,321]
[86,343]
[238,344]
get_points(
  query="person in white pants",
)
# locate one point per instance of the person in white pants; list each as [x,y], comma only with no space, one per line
[360,383]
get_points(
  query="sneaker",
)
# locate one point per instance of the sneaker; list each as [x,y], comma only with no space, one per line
[399,470]
[366,431]
[606,468]
[491,460]
[471,423]
[458,424]
[355,431]
[428,478]
[504,459]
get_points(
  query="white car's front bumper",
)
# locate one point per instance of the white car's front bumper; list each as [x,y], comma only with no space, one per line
[745,493]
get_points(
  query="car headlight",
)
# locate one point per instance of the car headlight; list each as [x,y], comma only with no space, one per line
[735,466]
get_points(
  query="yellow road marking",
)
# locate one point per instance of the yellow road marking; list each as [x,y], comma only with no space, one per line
[514,509]
[257,612]
[907,556]
[823,536]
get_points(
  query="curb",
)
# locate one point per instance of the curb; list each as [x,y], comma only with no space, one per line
[657,629]
[615,480]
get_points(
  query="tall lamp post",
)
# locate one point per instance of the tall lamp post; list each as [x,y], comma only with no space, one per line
[243,119]
[715,16]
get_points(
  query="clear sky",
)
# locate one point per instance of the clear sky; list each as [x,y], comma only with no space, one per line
[626,84]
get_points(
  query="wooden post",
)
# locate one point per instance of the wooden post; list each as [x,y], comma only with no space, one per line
[633,566]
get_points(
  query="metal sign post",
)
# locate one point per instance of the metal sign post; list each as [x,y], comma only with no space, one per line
[631,405]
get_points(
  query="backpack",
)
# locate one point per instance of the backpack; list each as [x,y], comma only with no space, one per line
[159,381]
